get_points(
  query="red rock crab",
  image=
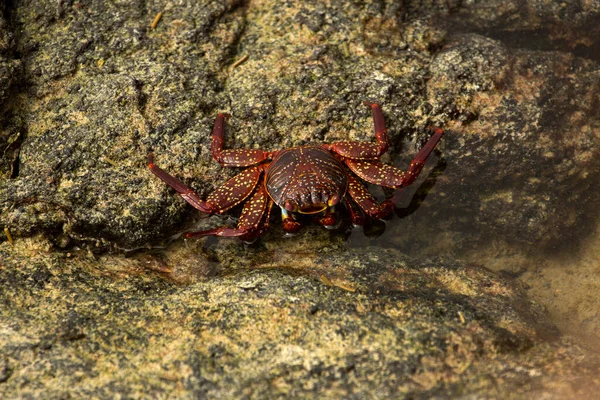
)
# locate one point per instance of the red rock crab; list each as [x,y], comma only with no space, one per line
[310,179]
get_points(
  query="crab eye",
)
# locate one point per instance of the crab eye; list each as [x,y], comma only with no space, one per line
[334,200]
[290,205]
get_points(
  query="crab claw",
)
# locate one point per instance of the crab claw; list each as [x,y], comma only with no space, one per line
[331,221]
[291,226]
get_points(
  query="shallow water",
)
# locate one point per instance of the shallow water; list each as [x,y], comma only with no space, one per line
[566,277]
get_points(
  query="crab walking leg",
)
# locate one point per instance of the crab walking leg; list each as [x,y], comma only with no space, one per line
[237,157]
[235,190]
[230,194]
[380,129]
[418,161]
[386,175]
[185,191]
[264,226]
[366,151]
[359,193]
[356,215]
[253,221]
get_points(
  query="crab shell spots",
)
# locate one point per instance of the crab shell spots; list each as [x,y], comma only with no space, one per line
[362,197]
[357,150]
[309,176]
[241,158]
[254,210]
[378,173]
[235,190]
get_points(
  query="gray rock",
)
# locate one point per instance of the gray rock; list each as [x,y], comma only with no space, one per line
[103,89]
[359,323]
[88,88]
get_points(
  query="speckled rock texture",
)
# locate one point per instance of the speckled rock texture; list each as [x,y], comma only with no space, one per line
[352,324]
[95,88]
[89,87]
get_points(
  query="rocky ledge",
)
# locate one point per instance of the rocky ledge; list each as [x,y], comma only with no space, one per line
[88,88]
[355,323]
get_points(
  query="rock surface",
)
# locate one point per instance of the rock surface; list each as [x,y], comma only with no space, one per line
[87,88]
[271,324]
[98,88]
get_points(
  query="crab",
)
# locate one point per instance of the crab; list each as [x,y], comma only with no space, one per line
[311,179]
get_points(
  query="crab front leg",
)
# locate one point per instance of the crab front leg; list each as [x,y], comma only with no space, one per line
[236,157]
[184,191]
[363,150]
[230,194]
[381,174]
[253,221]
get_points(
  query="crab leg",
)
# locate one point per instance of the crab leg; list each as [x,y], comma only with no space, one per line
[386,175]
[230,194]
[253,221]
[237,157]
[185,191]
[359,193]
[361,150]
[355,215]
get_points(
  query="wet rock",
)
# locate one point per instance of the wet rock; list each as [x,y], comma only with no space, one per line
[357,323]
[89,88]
[519,159]
[535,25]
[526,154]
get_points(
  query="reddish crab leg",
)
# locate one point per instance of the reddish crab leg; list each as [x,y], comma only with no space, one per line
[237,157]
[355,215]
[365,151]
[389,176]
[380,129]
[253,221]
[359,193]
[265,224]
[186,192]
[235,190]
[418,162]
[230,194]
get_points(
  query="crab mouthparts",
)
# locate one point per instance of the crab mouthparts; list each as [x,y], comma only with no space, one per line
[313,208]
